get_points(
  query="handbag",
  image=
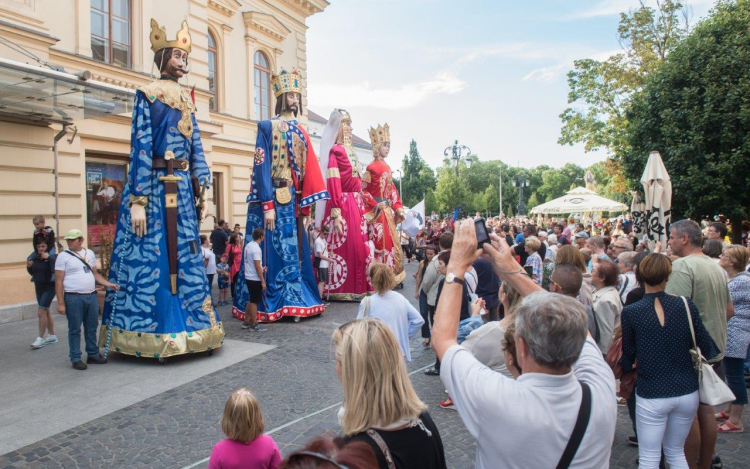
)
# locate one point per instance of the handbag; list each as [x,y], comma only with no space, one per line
[579,430]
[712,390]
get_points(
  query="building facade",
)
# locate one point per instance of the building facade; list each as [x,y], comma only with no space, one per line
[237,45]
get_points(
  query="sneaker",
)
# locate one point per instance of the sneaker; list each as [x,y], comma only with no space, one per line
[447,403]
[245,326]
[96,360]
[79,366]
[51,339]
[633,440]
[432,372]
[38,343]
[716,462]
[257,329]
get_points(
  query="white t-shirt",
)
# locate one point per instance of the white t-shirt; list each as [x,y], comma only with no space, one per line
[252,253]
[321,248]
[538,407]
[78,279]
[209,254]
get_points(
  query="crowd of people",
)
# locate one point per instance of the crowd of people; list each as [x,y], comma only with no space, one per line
[544,329]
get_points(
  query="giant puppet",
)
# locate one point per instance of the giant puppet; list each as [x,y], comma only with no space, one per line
[383,204]
[286,181]
[163,307]
[347,239]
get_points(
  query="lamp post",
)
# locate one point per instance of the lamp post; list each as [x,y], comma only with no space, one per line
[400,183]
[458,152]
[500,171]
[521,182]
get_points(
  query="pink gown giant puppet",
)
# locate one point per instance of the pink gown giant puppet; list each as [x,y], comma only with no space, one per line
[343,212]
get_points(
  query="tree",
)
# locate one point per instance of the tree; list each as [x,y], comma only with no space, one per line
[694,111]
[533,201]
[418,177]
[450,193]
[557,182]
[603,89]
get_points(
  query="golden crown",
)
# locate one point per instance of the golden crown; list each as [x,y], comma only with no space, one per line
[286,82]
[380,135]
[159,38]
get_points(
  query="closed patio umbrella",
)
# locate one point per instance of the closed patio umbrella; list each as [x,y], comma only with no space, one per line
[657,187]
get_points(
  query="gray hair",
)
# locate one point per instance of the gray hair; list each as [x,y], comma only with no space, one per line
[690,229]
[554,327]
[627,258]
[628,245]
[597,241]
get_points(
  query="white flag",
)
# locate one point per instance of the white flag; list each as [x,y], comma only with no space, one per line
[414,219]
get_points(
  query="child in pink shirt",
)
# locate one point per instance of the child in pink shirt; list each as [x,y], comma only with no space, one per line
[246,447]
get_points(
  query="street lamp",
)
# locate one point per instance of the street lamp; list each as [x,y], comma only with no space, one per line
[521,182]
[400,183]
[458,152]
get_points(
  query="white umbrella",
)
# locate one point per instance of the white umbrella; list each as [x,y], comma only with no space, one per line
[580,200]
[637,209]
[658,189]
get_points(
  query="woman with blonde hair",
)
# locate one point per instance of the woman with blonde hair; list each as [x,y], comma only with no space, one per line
[733,260]
[246,447]
[391,308]
[572,255]
[380,405]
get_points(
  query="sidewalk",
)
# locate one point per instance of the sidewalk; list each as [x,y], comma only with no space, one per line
[43,395]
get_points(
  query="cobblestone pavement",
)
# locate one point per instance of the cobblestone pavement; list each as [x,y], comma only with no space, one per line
[299,395]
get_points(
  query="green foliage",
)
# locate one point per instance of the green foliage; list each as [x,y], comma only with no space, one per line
[695,110]
[533,201]
[556,182]
[418,177]
[601,91]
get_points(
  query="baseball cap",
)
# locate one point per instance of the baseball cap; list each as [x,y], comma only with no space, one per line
[75,233]
[582,234]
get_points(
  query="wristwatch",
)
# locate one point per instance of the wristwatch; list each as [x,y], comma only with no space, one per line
[451,278]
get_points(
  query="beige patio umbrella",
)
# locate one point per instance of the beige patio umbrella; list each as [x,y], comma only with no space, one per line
[658,190]
[637,209]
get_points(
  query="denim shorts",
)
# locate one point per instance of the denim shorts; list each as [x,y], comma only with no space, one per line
[44,298]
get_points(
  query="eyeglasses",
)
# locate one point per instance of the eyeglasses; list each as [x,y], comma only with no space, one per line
[556,284]
[320,456]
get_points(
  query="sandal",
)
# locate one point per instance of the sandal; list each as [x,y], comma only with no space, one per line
[721,415]
[426,343]
[728,427]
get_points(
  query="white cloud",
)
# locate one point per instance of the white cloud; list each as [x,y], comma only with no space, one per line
[406,96]
[546,74]
[615,7]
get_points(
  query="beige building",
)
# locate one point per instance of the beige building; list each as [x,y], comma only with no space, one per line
[47,45]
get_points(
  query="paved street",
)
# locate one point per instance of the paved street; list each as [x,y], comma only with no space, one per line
[168,416]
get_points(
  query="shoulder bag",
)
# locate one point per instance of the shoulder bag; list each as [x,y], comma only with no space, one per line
[383,446]
[579,430]
[712,390]
[86,266]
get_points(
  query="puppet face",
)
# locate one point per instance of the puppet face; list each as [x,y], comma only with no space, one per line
[292,101]
[384,149]
[176,63]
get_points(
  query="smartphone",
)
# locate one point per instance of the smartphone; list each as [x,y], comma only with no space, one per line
[482,233]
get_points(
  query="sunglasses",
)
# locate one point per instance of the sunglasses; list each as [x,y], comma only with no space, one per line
[315,455]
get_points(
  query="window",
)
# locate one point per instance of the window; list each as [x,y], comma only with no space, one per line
[262,87]
[110,31]
[213,101]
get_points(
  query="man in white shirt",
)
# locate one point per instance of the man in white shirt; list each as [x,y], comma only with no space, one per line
[557,358]
[255,279]
[627,281]
[209,262]
[76,277]
[321,252]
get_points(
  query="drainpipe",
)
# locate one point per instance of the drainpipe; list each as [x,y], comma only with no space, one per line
[58,137]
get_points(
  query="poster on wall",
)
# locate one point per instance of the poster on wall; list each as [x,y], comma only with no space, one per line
[104,185]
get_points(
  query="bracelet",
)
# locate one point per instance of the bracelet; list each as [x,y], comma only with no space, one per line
[141,200]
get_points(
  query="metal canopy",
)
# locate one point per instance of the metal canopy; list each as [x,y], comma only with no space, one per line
[40,95]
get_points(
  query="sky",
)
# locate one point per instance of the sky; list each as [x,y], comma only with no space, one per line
[488,73]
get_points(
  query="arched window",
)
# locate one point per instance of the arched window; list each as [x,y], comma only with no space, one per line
[213,101]
[262,87]
[110,31]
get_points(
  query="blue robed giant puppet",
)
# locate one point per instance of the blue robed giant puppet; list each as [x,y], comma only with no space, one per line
[163,307]
[286,182]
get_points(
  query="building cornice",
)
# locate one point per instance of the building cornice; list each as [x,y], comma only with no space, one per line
[227,8]
[265,24]
[307,7]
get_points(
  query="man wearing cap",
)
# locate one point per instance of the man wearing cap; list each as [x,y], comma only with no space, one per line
[75,282]
[580,239]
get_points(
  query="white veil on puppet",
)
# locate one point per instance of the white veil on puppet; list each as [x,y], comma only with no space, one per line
[327,141]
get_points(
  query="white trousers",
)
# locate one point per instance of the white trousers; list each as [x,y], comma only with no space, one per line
[664,423]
